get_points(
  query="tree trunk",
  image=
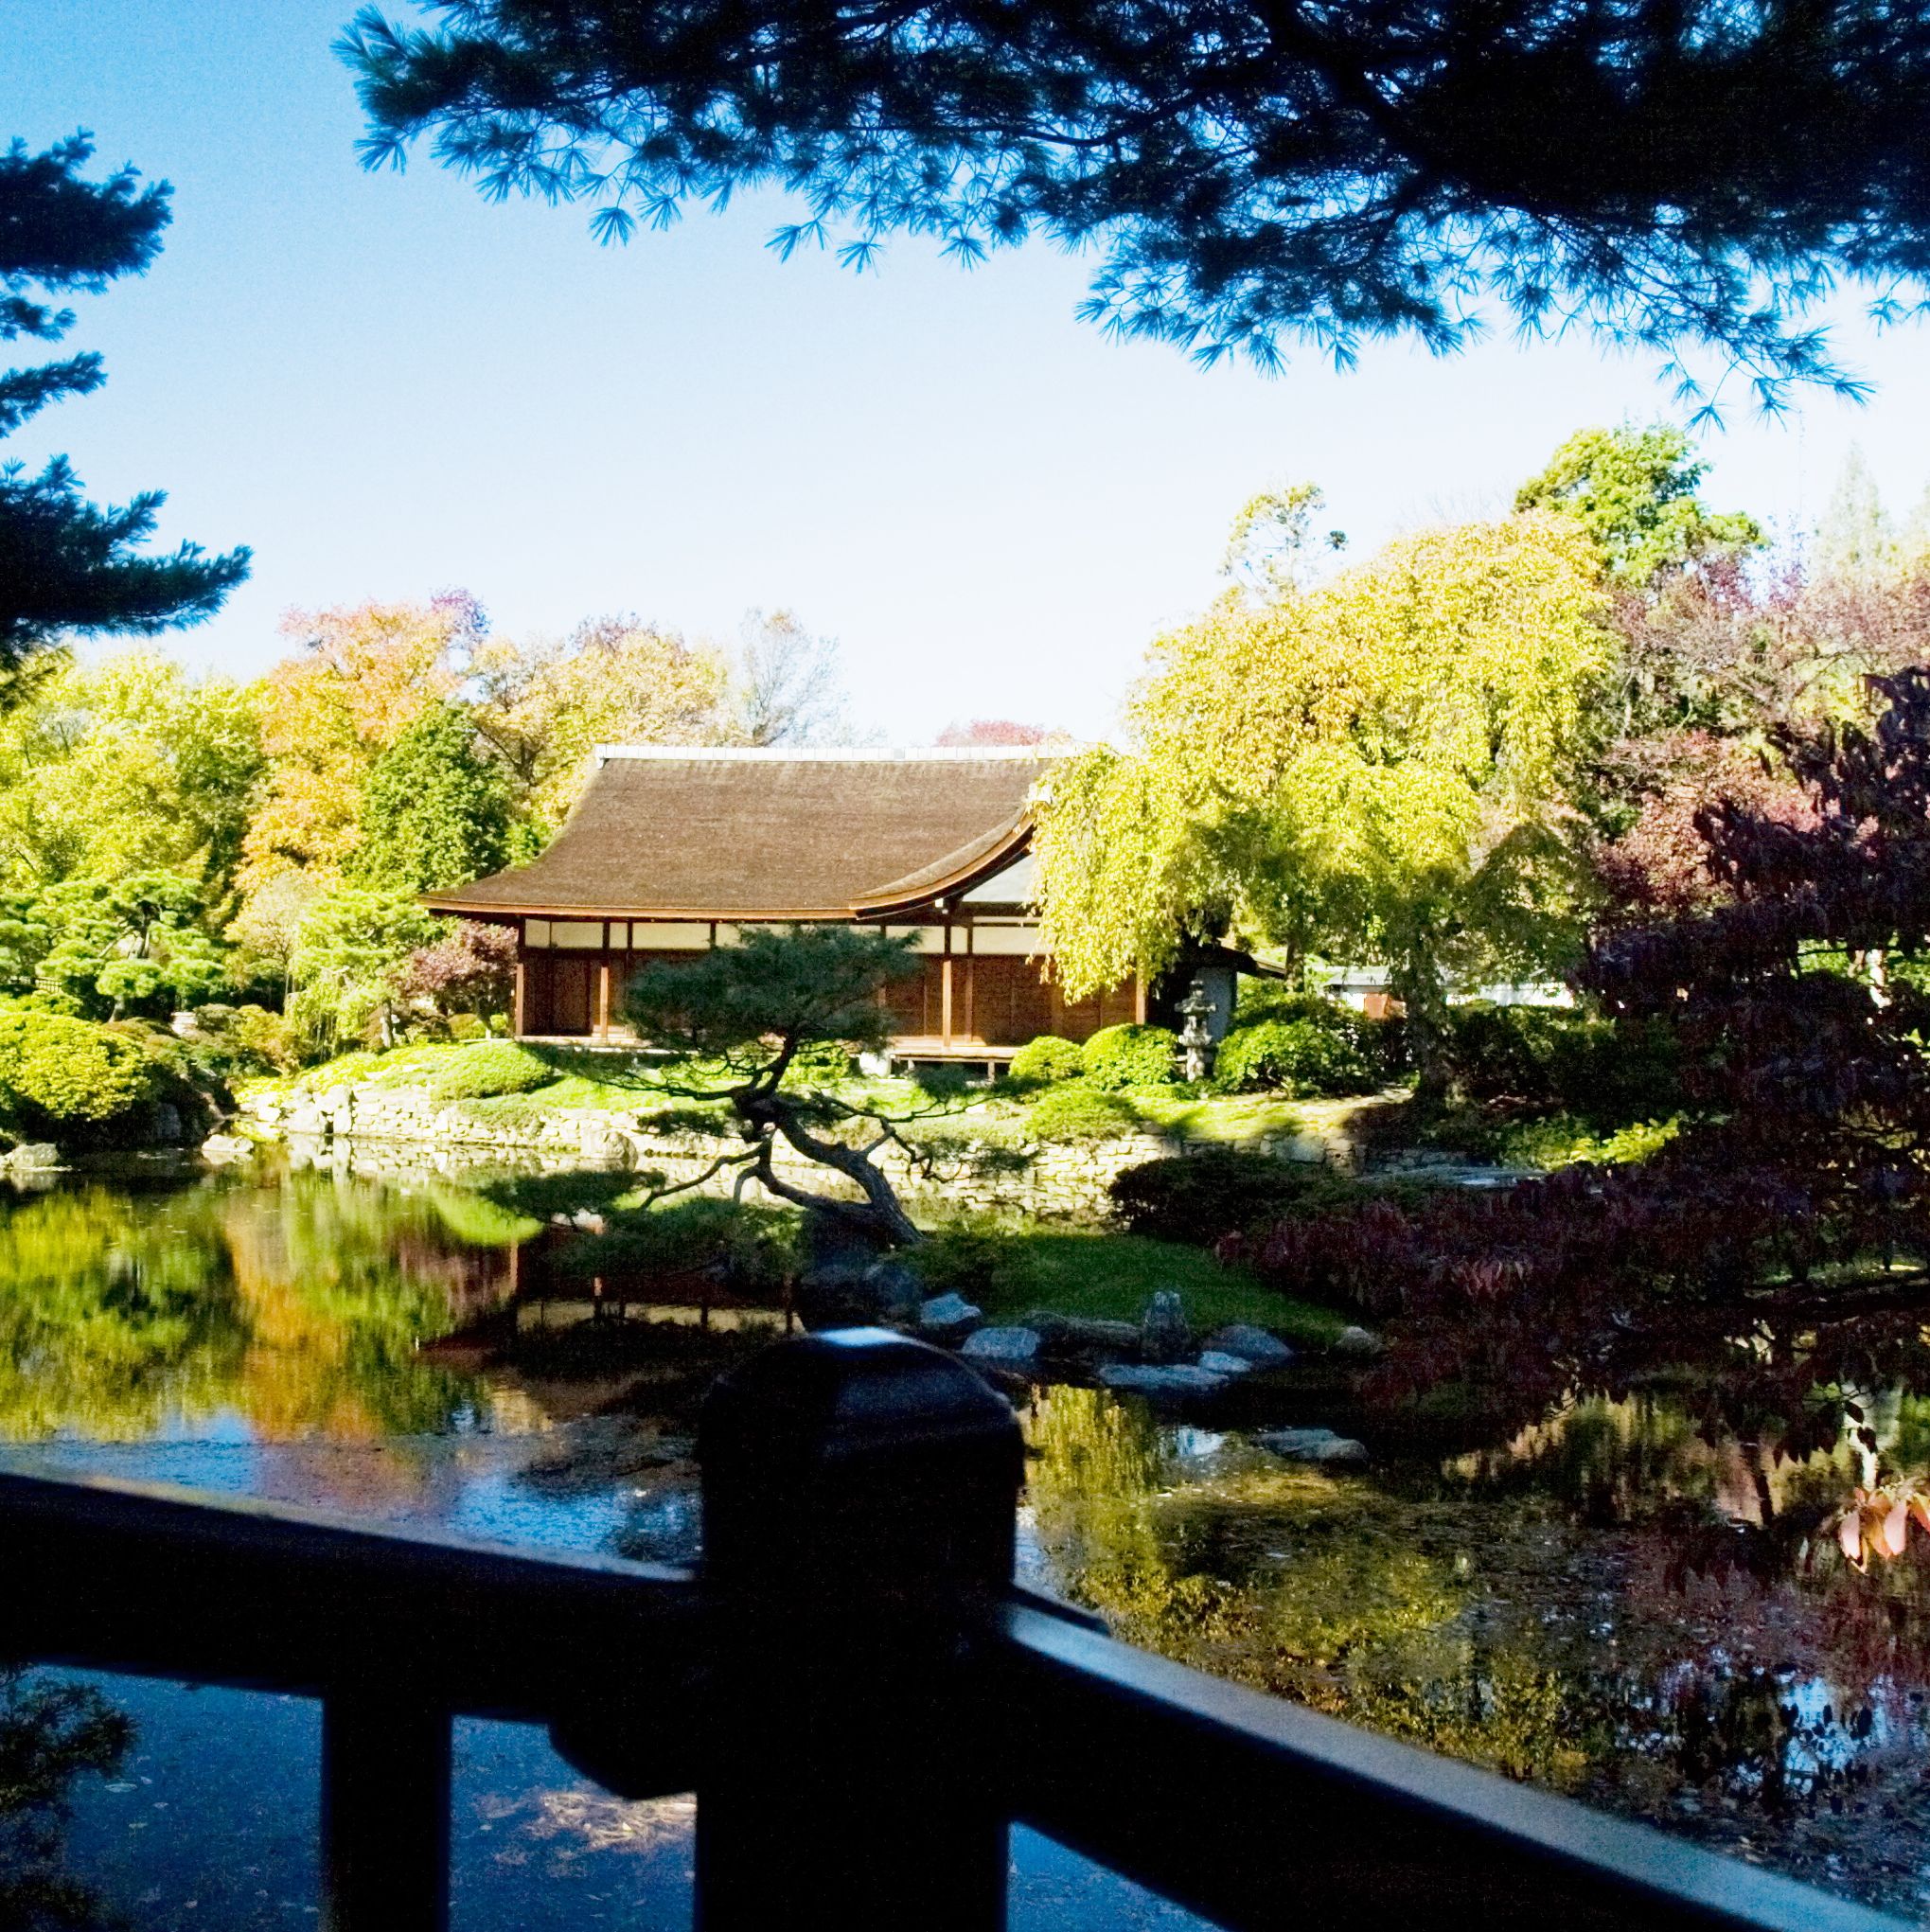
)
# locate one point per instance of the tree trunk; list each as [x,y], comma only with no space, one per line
[1416,983]
[879,1214]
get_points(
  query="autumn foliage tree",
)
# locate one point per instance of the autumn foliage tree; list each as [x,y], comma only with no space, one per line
[1796,1194]
[359,676]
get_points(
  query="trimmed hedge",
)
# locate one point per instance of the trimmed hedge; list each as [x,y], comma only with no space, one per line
[1294,1056]
[70,1070]
[1045,1059]
[1077,1111]
[487,1069]
[1119,1057]
[1200,1197]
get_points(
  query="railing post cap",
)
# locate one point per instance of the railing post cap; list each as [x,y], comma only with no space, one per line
[843,1396]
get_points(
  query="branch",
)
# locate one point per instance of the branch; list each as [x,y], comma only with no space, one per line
[723,1160]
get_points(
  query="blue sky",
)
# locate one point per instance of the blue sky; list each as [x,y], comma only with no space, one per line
[388,386]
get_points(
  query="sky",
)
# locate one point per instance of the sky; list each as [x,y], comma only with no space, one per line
[388,387]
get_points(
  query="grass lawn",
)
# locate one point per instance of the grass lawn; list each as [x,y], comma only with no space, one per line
[1111,1276]
[989,1116]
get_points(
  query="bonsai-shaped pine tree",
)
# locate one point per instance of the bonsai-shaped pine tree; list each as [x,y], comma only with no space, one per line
[66,565]
[742,1021]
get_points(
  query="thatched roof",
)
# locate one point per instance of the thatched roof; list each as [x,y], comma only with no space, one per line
[681,834]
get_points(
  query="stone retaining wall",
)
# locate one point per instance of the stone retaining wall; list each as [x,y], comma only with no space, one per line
[1054,1180]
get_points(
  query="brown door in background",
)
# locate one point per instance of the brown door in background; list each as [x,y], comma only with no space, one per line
[575,992]
[1011,1003]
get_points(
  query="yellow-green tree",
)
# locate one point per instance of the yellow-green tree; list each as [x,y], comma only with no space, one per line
[1379,768]
[126,766]
[546,704]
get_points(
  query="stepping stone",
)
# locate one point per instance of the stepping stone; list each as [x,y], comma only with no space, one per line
[1006,1347]
[1252,1345]
[1178,1378]
[1320,1446]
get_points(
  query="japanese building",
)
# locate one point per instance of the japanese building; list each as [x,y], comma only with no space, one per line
[673,849]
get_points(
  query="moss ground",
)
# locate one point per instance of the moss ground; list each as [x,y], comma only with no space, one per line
[1100,1275]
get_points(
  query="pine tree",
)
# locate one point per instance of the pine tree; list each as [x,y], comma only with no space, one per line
[68,566]
[1240,174]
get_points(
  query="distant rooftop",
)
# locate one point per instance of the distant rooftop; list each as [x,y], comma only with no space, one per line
[695,832]
[837,754]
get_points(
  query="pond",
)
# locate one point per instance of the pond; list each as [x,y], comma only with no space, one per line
[1624,1601]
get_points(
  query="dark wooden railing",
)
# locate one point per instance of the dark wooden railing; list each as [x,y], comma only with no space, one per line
[859,1697]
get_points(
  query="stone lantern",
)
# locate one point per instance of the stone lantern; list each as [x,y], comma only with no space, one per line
[1195,1039]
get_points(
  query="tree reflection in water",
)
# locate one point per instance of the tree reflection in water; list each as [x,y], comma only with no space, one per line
[1619,1603]
[287,1309]
[52,1733]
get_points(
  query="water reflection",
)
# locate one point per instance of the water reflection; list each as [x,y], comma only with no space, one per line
[291,1308]
[1610,1603]
[55,1734]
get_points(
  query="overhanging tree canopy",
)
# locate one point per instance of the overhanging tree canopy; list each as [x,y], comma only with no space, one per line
[66,565]
[1668,173]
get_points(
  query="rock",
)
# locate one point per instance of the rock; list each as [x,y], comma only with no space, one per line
[34,1154]
[831,1243]
[1081,1337]
[1318,1445]
[1355,1345]
[1163,1333]
[849,1297]
[1002,1347]
[947,1314]
[589,1222]
[1172,1379]
[307,1119]
[226,1147]
[1216,1363]
[896,1292]
[1254,1346]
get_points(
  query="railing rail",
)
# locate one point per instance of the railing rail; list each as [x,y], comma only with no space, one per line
[861,1701]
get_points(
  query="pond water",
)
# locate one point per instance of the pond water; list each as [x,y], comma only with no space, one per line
[1626,1601]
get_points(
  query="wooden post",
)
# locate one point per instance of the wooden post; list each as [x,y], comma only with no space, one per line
[860,1493]
[603,997]
[520,1019]
[945,999]
[384,1810]
[1139,1000]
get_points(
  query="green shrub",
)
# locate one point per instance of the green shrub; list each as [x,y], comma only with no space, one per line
[1561,1139]
[1198,1198]
[468,1026]
[752,1248]
[1605,1071]
[1077,1111]
[1294,1056]
[822,1062]
[487,1068]
[59,1074]
[1119,1057]
[1046,1059]
[239,1041]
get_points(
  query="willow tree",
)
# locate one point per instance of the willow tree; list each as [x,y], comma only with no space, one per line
[1378,768]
